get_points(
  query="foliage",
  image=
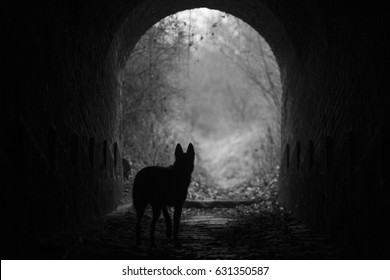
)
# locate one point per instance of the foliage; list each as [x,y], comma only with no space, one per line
[148,94]
[215,84]
[248,51]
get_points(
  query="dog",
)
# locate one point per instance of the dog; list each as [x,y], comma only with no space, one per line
[162,187]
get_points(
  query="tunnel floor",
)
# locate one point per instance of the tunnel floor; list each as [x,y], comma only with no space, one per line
[261,230]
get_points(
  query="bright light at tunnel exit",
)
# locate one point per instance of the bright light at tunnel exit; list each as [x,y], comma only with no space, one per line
[227,94]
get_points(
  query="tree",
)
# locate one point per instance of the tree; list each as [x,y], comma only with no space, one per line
[148,92]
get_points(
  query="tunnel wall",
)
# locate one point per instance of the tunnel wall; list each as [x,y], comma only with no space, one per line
[61,164]
[61,106]
[335,129]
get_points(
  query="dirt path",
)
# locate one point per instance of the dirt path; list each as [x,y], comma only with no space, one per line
[243,232]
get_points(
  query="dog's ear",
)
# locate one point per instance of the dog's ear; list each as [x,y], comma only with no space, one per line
[190,150]
[178,150]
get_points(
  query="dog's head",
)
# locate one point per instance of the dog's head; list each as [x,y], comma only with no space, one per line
[185,160]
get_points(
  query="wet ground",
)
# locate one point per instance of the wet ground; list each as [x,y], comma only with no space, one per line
[260,230]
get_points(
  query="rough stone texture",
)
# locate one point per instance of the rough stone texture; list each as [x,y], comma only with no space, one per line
[61,103]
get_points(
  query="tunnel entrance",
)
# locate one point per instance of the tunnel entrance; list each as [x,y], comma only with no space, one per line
[206,77]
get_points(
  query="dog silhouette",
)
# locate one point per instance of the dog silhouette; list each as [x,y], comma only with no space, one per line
[162,187]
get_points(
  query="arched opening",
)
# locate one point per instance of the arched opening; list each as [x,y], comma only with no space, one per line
[206,77]
[144,16]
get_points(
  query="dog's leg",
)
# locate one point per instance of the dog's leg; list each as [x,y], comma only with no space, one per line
[168,222]
[140,212]
[176,219]
[156,216]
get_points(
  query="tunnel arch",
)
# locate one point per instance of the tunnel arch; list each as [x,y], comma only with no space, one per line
[257,15]
[288,37]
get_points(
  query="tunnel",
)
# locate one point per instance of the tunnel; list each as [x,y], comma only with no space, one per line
[60,151]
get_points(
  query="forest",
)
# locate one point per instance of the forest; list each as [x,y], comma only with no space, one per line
[205,77]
